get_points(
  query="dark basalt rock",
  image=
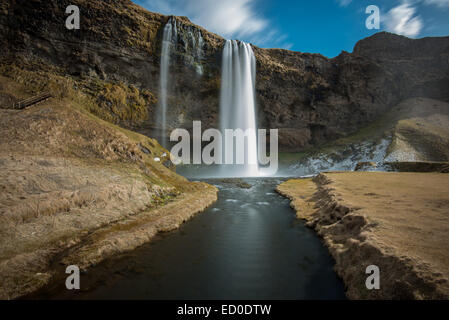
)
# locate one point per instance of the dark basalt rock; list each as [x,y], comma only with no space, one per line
[237,182]
[418,166]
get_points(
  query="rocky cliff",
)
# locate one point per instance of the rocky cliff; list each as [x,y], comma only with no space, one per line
[114,61]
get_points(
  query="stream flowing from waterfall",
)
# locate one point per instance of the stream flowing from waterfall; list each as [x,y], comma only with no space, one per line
[169,39]
[247,245]
[238,106]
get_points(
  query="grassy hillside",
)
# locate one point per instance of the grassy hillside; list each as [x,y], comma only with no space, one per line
[77,187]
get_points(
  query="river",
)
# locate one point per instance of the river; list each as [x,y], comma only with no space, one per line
[248,245]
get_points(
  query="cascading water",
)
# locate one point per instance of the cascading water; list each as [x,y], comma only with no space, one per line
[237,104]
[199,52]
[169,40]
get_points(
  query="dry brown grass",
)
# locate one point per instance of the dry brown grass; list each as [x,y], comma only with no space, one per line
[299,191]
[397,221]
[67,177]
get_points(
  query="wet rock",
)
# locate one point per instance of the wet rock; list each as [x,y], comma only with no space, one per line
[236,182]
[144,149]
[168,164]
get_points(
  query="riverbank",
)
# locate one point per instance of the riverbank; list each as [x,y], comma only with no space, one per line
[75,189]
[396,221]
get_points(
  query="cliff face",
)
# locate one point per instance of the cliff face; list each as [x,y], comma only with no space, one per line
[317,99]
[115,58]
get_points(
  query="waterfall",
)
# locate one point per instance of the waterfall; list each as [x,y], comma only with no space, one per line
[237,103]
[169,40]
[199,52]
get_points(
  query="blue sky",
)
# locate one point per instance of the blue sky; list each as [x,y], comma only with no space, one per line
[318,26]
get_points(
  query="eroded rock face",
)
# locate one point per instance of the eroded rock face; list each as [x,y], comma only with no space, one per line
[310,98]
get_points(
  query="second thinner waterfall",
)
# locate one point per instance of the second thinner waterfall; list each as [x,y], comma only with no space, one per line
[237,103]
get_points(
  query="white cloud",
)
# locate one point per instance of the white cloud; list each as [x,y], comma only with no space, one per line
[229,18]
[402,20]
[235,19]
[439,3]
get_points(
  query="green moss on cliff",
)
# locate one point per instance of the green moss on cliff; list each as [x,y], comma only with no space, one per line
[125,102]
[117,103]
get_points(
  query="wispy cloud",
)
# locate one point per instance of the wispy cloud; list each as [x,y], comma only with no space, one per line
[344,3]
[228,18]
[439,3]
[403,20]
[272,39]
